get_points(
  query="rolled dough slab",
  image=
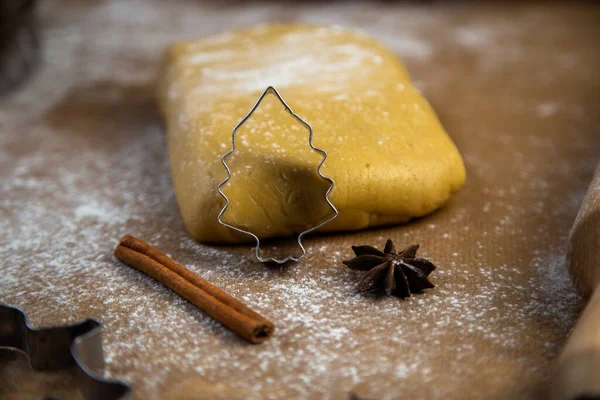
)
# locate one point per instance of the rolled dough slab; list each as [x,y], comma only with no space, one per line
[390,157]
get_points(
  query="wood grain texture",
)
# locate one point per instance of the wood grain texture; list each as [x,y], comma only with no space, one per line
[583,252]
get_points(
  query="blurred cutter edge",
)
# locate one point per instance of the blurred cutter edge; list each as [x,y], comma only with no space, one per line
[59,347]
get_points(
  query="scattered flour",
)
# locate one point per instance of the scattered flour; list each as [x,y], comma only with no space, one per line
[547,109]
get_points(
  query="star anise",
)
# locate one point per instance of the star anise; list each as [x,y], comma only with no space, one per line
[399,274]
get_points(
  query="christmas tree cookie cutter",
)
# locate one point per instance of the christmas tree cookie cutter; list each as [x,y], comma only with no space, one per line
[273,91]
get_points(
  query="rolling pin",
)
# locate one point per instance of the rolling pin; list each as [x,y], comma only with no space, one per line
[578,366]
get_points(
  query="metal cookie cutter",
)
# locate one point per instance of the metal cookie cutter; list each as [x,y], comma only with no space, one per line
[60,347]
[272,90]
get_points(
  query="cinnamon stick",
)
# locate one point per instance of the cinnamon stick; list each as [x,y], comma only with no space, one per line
[229,311]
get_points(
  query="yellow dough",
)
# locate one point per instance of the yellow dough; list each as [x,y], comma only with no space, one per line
[387,152]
